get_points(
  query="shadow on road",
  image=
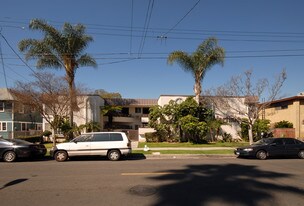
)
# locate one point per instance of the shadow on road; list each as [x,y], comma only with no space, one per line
[11,183]
[230,184]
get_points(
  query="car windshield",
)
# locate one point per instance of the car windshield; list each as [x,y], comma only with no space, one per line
[263,141]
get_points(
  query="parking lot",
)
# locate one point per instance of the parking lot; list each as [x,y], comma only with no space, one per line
[197,181]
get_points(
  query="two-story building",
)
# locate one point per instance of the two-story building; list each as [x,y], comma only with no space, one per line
[17,119]
[89,111]
[290,109]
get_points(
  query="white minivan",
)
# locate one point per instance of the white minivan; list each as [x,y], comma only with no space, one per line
[110,144]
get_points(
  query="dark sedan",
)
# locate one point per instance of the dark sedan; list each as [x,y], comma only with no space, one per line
[11,149]
[272,147]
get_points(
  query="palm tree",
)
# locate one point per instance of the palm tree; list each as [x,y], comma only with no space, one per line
[199,62]
[59,49]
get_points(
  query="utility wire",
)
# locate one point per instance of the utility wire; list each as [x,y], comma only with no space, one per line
[2,63]
[164,35]
[132,13]
[146,26]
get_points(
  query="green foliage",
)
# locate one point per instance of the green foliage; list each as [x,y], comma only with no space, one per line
[183,122]
[90,127]
[283,124]
[194,128]
[207,54]
[244,129]
[46,133]
[261,129]
[107,95]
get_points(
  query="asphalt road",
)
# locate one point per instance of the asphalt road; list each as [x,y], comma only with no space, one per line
[199,181]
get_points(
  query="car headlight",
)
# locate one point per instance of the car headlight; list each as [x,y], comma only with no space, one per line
[248,149]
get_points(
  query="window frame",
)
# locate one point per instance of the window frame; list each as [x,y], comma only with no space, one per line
[2,108]
[1,126]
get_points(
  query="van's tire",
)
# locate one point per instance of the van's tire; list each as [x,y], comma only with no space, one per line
[262,155]
[61,156]
[9,156]
[114,155]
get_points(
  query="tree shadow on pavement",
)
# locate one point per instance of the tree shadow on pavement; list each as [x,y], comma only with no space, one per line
[229,184]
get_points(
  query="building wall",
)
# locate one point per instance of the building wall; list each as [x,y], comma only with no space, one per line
[292,111]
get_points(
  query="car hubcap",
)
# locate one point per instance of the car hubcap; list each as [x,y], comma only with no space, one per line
[114,155]
[10,157]
[262,155]
[301,154]
[61,156]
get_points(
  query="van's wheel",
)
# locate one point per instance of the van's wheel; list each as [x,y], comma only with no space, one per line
[301,154]
[114,155]
[9,156]
[262,155]
[61,156]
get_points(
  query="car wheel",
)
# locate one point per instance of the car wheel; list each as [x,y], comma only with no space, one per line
[114,155]
[61,156]
[301,154]
[9,156]
[262,155]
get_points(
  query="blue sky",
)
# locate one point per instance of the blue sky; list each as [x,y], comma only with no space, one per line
[262,35]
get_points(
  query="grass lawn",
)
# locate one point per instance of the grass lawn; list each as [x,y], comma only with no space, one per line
[188,144]
[177,145]
[228,152]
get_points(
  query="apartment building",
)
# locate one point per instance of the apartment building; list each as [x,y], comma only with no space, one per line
[17,119]
[290,109]
[131,114]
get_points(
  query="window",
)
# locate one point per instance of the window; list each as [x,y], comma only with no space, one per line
[23,126]
[137,110]
[101,137]
[1,106]
[125,111]
[146,110]
[39,126]
[289,141]
[115,137]
[83,138]
[3,126]
[279,141]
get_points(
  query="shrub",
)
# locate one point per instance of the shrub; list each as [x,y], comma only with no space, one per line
[283,124]
[47,133]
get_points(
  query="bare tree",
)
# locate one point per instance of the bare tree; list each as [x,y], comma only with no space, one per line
[49,95]
[240,98]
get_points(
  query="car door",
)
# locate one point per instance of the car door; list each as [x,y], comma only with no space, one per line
[291,147]
[80,146]
[100,144]
[277,147]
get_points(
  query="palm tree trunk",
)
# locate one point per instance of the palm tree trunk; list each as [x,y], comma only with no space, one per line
[197,89]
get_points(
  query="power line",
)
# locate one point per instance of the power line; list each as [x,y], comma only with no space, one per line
[131,32]
[146,26]
[181,19]
[2,63]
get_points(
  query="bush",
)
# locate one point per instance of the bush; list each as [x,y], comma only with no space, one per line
[152,137]
[283,124]
[47,133]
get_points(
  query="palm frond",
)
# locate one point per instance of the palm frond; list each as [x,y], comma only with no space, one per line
[182,58]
